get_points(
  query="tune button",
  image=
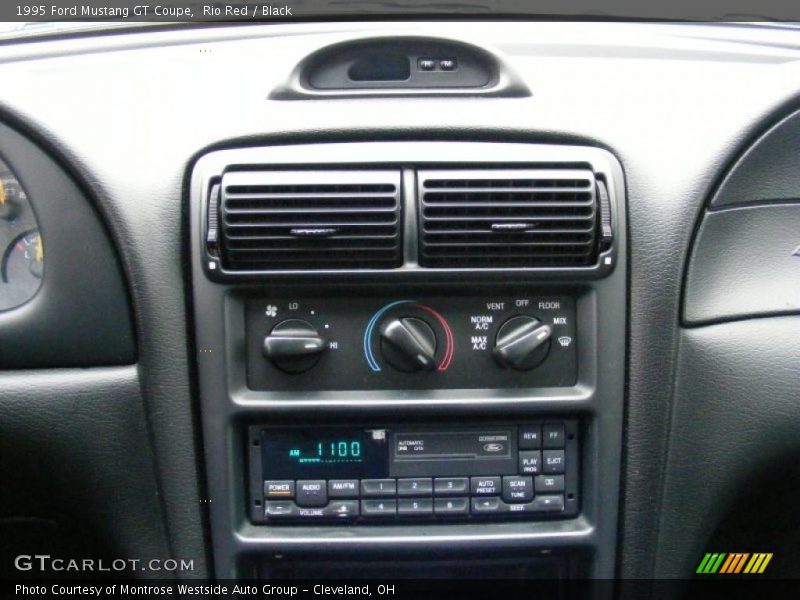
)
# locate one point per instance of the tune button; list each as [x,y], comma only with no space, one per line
[517,489]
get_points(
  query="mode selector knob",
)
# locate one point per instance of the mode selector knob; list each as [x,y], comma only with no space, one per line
[294,346]
[522,343]
[408,344]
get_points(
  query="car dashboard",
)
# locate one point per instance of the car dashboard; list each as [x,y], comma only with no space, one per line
[394,299]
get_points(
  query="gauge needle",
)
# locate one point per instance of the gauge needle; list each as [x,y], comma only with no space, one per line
[39,249]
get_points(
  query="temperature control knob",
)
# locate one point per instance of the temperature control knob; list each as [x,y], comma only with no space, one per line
[408,344]
[294,346]
[522,343]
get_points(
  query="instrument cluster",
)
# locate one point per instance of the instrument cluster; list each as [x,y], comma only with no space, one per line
[21,244]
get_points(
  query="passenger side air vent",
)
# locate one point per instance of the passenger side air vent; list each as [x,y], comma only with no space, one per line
[508,218]
[301,220]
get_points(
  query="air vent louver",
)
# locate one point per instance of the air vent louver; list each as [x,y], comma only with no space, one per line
[507,218]
[320,220]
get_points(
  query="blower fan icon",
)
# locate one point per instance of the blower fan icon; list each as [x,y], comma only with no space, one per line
[565,341]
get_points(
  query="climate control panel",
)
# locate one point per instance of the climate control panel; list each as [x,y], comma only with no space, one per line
[411,343]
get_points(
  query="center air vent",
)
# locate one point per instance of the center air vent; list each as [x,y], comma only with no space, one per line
[300,220]
[508,218]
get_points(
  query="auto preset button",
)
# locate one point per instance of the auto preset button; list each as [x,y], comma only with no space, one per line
[485,486]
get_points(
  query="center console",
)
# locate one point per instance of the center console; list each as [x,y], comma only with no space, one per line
[410,352]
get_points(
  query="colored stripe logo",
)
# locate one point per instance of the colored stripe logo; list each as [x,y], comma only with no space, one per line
[734,563]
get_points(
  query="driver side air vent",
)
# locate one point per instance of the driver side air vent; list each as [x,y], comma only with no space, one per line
[496,218]
[300,220]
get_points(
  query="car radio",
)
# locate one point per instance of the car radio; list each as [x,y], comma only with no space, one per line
[386,474]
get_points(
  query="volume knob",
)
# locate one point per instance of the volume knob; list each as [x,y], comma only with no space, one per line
[294,346]
[522,343]
[408,344]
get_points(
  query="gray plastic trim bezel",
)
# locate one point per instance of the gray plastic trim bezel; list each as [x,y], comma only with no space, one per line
[228,406]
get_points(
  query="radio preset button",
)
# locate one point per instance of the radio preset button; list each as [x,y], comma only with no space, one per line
[530,437]
[451,506]
[553,435]
[343,488]
[553,462]
[445,486]
[517,489]
[414,506]
[378,487]
[312,493]
[548,484]
[420,486]
[485,486]
[530,463]
[278,489]
[378,508]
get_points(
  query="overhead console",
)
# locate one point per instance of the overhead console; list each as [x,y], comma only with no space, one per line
[402,343]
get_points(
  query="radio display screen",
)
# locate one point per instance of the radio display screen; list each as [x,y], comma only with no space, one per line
[340,453]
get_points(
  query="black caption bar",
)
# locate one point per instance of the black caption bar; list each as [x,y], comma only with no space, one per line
[181,11]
